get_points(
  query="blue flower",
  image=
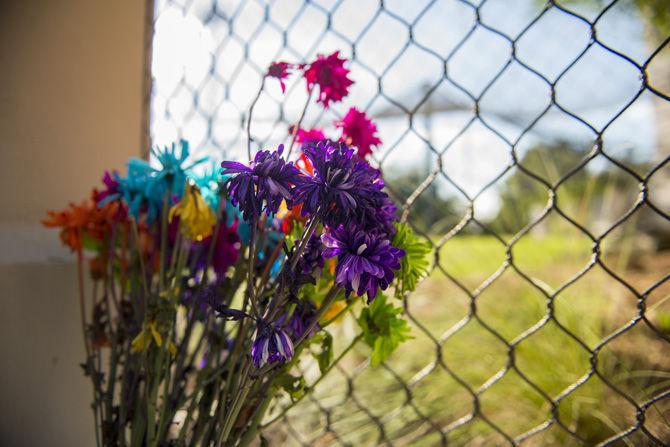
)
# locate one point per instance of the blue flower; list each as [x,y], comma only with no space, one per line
[366,261]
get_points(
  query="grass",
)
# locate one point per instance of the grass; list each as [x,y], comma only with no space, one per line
[593,307]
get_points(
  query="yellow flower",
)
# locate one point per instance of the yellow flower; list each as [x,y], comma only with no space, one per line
[197,219]
[148,335]
[143,340]
[283,210]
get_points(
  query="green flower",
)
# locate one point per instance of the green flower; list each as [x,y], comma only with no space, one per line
[383,329]
[414,265]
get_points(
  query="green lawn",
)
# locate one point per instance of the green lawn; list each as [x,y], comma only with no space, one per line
[591,308]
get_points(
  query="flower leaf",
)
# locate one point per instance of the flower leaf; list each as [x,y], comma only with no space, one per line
[325,357]
[414,265]
[294,386]
[383,328]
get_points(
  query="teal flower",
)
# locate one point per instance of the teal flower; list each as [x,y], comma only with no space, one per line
[146,187]
[210,188]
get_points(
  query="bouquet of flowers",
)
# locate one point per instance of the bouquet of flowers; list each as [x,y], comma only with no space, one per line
[209,287]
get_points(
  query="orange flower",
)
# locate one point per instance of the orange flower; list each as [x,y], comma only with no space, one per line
[290,217]
[334,310]
[83,220]
[304,164]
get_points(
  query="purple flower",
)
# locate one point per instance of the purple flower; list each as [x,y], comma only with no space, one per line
[300,320]
[226,249]
[271,345]
[200,300]
[266,181]
[366,260]
[307,266]
[312,257]
[343,187]
[112,189]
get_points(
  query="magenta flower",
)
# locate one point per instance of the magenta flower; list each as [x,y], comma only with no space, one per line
[112,192]
[358,130]
[280,71]
[226,249]
[366,260]
[329,74]
[304,136]
[112,189]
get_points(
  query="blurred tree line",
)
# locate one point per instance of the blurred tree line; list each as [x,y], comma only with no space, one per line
[595,195]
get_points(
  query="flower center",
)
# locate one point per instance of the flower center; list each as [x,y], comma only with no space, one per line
[361,249]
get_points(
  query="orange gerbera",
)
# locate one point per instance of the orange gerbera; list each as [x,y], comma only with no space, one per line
[304,164]
[83,220]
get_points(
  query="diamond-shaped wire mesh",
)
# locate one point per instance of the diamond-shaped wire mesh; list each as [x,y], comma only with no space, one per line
[527,141]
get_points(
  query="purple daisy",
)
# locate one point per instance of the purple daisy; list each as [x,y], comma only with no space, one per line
[366,260]
[266,181]
[271,345]
[343,187]
[312,257]
[300,320]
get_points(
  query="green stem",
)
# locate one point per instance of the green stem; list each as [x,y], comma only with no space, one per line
[309,231]
[82,314]
[163,255]
[240,397]
[143,271]
[251,111]
[256,419]
[327,301]
[313,386]
[250,270]
[297,126]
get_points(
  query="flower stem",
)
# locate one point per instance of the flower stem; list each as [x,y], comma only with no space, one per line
[251,111]
[313,386]
[250,269]
[297,126]
[327,301]
[143,271]
[82,312]
[309,231]
[259,412]
[163,255]
[240,397]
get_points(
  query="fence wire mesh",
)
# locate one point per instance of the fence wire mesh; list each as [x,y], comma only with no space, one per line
[527,141]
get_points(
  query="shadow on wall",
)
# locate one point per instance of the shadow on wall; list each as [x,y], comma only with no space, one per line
[71,103]
[45,399]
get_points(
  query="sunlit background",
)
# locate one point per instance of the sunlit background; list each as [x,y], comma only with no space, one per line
[512,278]
[487,111]
[208,59]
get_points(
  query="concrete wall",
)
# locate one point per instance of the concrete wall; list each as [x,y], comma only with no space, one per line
[70,107]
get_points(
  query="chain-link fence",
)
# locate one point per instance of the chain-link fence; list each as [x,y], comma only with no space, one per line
[527,141]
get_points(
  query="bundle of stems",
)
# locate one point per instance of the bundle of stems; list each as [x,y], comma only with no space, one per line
[207,288]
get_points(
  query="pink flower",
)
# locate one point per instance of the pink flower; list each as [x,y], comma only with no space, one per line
[280,70]
[329,74]
[358,130]
[307,135]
